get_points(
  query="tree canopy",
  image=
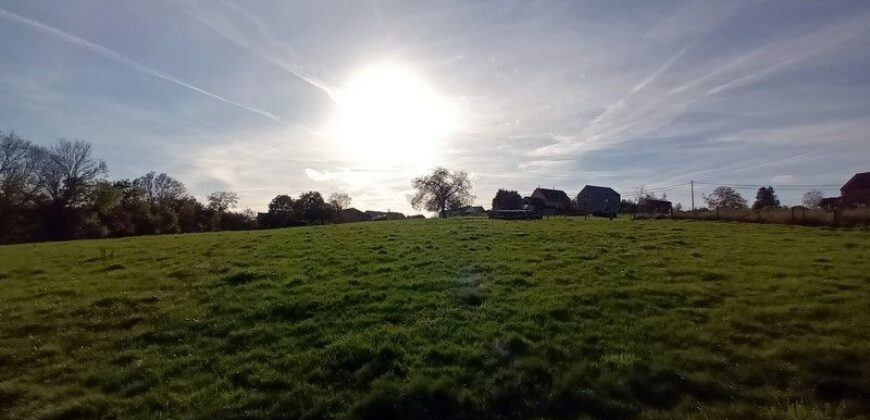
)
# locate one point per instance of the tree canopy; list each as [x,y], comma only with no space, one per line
[765,198]
[507,200]
[725,197]
[441,191]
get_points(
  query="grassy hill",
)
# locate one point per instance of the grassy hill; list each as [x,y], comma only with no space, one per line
[427,319]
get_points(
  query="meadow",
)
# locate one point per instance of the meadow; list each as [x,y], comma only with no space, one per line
[462,318]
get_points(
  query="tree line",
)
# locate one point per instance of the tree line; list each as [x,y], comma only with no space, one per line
[61,192]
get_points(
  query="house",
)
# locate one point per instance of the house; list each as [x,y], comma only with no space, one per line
[598,201]
[830,203]
[533,203]
[654,206]
[553,199]
[856,192]
[466,211]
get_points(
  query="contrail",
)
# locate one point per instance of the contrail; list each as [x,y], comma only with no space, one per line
[243,43]
[118,58]
[661,70]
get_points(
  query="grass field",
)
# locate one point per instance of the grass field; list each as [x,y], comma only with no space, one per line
[422,319]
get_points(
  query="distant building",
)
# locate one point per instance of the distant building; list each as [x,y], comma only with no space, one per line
[378,216]
[533,203]
[598,201]
[653,206]
[856,191]
[353,215]
[555,200]
[466,211]
[830,203]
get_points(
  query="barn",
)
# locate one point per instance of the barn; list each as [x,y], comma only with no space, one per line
[551,199]
[598,201]
[856,191]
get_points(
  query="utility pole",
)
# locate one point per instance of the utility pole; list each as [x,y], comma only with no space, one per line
[693,194]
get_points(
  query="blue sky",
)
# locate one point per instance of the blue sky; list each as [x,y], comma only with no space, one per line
[238,95]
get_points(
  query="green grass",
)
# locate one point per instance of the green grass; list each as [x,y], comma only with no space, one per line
[431,319]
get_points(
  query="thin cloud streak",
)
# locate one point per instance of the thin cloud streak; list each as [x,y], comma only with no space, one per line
[291,69]
[135,65]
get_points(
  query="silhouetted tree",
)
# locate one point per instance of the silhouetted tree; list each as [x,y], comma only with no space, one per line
[311,208]
[725,197]
[441,191]
[813,198]
[68,171]
[765,198]
[221,201]
[507,200]
[161,189]
[20,182]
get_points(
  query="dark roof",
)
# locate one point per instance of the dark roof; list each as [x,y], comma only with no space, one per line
[858,182]
[595,188]
[655,201]
[552,195]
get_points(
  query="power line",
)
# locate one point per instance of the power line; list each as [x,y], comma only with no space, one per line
[730,184]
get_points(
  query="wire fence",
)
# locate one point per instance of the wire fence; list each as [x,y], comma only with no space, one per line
[791,216]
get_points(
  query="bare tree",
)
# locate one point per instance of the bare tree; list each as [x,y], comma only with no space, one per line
[68,170]
[222,201]
[340,201]
[725,197]
[813,198]
[19,168]
[441,191]
[161,189]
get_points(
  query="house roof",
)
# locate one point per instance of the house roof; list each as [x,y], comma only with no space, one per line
[655,201]
[595,188]
[859,181]
[552,195]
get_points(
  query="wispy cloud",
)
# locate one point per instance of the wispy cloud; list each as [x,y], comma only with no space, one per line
[121,59]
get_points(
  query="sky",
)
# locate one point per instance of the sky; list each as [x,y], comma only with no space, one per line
[282,97]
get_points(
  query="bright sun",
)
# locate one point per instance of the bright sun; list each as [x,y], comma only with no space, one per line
[387,115]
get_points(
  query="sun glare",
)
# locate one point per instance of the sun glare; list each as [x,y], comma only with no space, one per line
[387,115]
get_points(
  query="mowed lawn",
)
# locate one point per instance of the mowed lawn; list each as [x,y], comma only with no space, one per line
[422,319]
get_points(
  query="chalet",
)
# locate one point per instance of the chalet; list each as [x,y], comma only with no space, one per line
[856,192]
[552,199]
[598,201]
[653,206]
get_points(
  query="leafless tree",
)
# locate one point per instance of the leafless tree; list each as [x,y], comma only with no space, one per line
[19,168]
[340,201]
[161,189]
[813,198]
[441,191]
[222,201]
[68,170]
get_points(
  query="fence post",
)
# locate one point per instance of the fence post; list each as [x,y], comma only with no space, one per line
[717,213]
[792,215]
